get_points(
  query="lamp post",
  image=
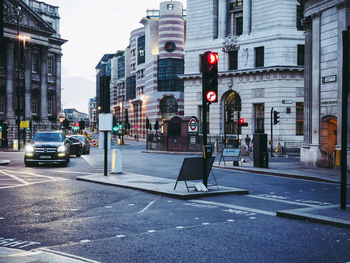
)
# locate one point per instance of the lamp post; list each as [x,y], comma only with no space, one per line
[18,104]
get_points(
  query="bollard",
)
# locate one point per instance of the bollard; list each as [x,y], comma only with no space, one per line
[117,161]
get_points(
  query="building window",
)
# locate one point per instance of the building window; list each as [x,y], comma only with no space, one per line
[300,17]
[170,7]
[239,26]
[50,65]
[2,104]
[216,19]
[50,106]
[239,2]
[130,90]
[35,106]
[168,71]
[141,50]
[259,110]
[121,67]
[299,118]
[301,50]
[35,63]
[259,57]
[233,60]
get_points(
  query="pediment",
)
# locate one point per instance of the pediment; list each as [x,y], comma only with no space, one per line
[27,18]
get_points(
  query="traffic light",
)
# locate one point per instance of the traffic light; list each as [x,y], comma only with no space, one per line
[66,124]
[242,123]
[75,126]
[82,125]
[276,117]
[210,76]
[147,123]
[1,125]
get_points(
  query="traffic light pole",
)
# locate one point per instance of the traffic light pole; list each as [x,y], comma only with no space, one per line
[272,132]
[204,130]
[344,120]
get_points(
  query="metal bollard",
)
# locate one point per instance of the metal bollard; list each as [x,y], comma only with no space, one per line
[117,161]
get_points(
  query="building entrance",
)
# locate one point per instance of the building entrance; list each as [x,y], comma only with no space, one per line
[232,112]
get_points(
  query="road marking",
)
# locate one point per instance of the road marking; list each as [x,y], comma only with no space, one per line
[258,211]
[68,255]
[15,177]
[12,242]
[282,201]
[148,206]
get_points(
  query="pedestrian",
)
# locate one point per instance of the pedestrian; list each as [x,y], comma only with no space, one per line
[247,142]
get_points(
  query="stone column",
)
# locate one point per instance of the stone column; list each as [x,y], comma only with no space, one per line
[247,12]
[58,85]
[28,83]
[307,25]
[315,107]
[10,84]
[222,18]
[43,86]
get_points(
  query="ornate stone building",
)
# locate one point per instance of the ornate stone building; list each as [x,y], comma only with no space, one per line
[260,44]
[324,22]
[30,66]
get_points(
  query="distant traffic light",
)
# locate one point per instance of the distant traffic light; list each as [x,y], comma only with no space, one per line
[82,125]
[1,125]
[276,117]
[210,76]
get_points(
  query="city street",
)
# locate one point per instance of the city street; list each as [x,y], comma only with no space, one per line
[46,208]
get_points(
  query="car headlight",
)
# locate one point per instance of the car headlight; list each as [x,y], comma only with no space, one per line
[29,148]
[61,148]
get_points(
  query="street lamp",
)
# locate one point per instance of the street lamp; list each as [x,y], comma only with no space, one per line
[24,39]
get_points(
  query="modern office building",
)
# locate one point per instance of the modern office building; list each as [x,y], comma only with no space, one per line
[30,66]
[145,79]
[323,24]
[92,113]
[260,44]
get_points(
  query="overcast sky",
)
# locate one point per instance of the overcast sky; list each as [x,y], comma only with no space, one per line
[93,28]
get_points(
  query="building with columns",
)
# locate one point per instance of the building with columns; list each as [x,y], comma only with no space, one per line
[145,79]
[260,44]
[30,66]
[324,23]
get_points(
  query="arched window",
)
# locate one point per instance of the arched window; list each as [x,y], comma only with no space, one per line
[168,107]
[232,112]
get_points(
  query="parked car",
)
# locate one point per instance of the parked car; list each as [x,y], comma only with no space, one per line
[47,147]
[75,146]
[85,143]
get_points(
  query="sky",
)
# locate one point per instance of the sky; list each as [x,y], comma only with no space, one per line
[93,28]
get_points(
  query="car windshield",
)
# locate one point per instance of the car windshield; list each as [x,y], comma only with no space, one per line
[48,137]
[80,138]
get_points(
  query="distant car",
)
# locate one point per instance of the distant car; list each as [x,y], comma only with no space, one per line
[85,143]
[47,147]
[75,146]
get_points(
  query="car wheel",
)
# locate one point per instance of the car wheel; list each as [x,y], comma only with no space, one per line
[28,164]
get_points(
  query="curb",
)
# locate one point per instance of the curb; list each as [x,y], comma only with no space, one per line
[295,176]
[299,215]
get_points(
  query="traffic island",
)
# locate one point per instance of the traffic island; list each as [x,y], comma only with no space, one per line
[4,162]
[160,186]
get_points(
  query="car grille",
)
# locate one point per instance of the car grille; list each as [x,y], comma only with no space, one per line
[46,150]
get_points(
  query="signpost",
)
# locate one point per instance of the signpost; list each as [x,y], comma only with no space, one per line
[105,125]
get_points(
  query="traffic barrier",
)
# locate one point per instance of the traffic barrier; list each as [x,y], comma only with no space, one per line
[117,161]
[94,143]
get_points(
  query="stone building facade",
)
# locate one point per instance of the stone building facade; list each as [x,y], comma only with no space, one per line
[145,76]
[324,22]
[260,44]
[30,67]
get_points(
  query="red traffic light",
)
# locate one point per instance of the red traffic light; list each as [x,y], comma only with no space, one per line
[241,120]
[212,58]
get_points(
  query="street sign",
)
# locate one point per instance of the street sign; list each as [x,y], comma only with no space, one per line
[105,121]
[24,124]
[193,125]
[211,96]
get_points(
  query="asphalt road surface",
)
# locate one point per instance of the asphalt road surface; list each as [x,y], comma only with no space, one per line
[46,207]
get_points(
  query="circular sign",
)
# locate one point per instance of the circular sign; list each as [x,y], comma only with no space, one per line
[193,125]
[170,46]
[211,96]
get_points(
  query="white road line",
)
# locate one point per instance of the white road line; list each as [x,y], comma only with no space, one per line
[283,201]
[258,211]
[15,177]
[81,259]
[148,206]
